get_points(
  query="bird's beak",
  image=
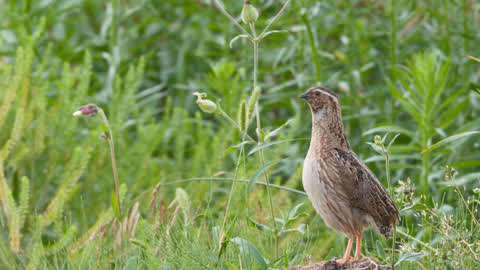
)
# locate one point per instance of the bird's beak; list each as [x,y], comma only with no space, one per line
[305,95]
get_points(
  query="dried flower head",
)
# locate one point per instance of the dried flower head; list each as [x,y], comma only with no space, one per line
[89,109]
[205,105]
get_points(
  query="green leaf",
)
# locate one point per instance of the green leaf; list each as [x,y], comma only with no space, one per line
[392,141]
[448,116]
[277,130]
[411,257]
[407,105]
[375,147]
[115,206]
[475,87]
[253,224]
[273,32]
[293,215]
[450,99]
[249,250]
[448,140]
[230,44]
[300,229]
[265,145]
[139,243]
[258,173]
[389,129]
[236,146]
[380,250]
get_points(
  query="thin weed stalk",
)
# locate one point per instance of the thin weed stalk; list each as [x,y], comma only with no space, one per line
[425,245]
[221,239]
[255,41]
[385,150]
[111,144]
[235,124]
[452,179]
[93,110]
[393,34]
[259,137]
[390,190]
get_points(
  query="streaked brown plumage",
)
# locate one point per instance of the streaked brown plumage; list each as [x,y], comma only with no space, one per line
[345,193]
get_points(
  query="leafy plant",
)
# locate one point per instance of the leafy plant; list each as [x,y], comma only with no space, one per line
[420,89]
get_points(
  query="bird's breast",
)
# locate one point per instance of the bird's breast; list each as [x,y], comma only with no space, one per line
[313,180]
[318,180]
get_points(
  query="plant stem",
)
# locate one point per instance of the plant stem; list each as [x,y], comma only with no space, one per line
[393,34]
[278,15]
[227,208]
[230,17]
[259,137]
[312,46]
[425,162]
[255,40]
[111,145]
[255,55]
[390,190]
[418,241]
[235,124]
[219,179]
[465,25]
[387,168]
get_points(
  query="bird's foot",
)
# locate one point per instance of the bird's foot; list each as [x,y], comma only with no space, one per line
[345,260]
[357,258]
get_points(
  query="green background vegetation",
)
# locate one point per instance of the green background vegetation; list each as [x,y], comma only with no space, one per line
[400,67]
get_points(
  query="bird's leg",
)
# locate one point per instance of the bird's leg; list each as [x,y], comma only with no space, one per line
[358,251]
[347,257]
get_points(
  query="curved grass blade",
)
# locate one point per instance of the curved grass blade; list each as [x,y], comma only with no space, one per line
[230,44]
[258,173]
[448,140]
[265,145]
[221,179]
[389,129]
[248,249]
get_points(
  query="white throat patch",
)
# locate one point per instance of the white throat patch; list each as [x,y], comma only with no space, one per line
[319,114]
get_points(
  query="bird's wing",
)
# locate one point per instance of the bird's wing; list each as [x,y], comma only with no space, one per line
[364,190]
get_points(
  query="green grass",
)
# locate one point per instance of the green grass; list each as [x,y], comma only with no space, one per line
[400,68]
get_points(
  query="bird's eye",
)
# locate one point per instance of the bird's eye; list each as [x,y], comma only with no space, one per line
[317,94]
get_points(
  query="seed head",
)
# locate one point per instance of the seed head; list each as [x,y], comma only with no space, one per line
[205,105]
[377,140]
[251,104]
[249,13]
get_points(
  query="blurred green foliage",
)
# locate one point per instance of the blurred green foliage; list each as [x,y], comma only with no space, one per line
[399,66]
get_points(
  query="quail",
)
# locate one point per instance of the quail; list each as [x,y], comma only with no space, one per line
[343,191]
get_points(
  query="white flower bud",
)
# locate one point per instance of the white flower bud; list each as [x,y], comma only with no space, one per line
[77,114]
[249,13]
[343,86]
[205,105]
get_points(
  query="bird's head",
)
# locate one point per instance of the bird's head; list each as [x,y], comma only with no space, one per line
[321,100]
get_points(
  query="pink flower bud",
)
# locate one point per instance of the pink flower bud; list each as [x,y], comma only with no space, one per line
[89,109]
